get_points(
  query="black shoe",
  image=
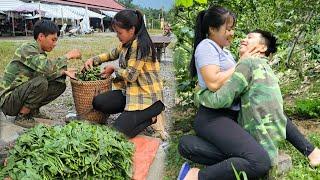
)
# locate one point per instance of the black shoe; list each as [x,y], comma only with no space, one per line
[26,121]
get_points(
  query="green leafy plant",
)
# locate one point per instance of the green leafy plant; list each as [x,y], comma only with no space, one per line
[92,74]
[188,3]
[309,108]
[185,84]
[78,150]
[301,169]
[239,174]
[314,51]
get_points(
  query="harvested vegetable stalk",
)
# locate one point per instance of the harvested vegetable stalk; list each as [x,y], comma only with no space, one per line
[78,150]
[92,74]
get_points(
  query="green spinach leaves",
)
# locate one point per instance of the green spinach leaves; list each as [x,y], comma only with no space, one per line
[78,150]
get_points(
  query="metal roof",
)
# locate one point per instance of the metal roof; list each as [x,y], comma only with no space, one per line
[8,5]
[98,4]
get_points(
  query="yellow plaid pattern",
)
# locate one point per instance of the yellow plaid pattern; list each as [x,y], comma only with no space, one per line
[137,77]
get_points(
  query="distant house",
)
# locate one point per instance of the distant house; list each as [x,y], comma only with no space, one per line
[17,16]
[108,5]
[105,7]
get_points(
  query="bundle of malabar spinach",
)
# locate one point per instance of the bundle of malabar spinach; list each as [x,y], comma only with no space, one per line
[92,74]
[78,150]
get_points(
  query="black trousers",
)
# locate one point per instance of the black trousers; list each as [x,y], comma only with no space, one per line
[130,123]
[220,141]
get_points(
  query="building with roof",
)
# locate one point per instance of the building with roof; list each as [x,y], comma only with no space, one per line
[106,5]
[95,13]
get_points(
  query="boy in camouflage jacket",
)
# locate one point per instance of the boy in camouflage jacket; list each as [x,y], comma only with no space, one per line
[255,84]
[31,80]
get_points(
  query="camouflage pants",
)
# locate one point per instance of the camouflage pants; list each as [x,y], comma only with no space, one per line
[32,94]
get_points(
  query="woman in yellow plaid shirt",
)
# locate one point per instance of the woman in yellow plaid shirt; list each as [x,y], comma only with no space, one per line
[137,86]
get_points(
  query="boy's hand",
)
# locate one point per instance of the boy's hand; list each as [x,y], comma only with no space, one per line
[88,64]
[107,71]
[71,72]
[74,54]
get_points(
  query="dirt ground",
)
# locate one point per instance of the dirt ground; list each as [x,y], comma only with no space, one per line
[307,126]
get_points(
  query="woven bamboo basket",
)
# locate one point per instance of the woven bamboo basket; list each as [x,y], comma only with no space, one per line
[83,93]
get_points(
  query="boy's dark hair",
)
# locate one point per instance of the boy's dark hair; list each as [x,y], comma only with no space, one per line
[128,18]
[214,17]
[270,40]
[46,27]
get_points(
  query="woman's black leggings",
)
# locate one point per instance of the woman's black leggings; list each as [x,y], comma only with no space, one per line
[220,141]
[130,123]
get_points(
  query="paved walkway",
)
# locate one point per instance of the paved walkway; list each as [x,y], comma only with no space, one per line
[157,169]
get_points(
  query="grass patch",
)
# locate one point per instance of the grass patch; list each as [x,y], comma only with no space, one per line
[155,31]
[301,97]
[90,45]
[7,49]
[301,169]
[308,108]
[182,124]
[315,89]
[287,88]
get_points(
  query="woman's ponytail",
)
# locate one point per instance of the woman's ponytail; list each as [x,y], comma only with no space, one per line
[144,41]
[200,33]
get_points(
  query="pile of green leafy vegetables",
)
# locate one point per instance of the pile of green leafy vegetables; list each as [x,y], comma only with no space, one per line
[78,150]
[92,74]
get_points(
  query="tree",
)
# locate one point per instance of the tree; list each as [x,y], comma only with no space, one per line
[128,4]
[152,14]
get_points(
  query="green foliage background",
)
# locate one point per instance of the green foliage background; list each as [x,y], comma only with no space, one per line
[152,15]
[295,24]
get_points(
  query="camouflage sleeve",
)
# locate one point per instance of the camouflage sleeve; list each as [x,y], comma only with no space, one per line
[52,69]
[135,65]
[104,57]
[234,87]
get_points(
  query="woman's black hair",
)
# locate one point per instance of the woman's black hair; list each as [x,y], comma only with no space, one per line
[126,19]
[214,17]
[46,27]
[271,41]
